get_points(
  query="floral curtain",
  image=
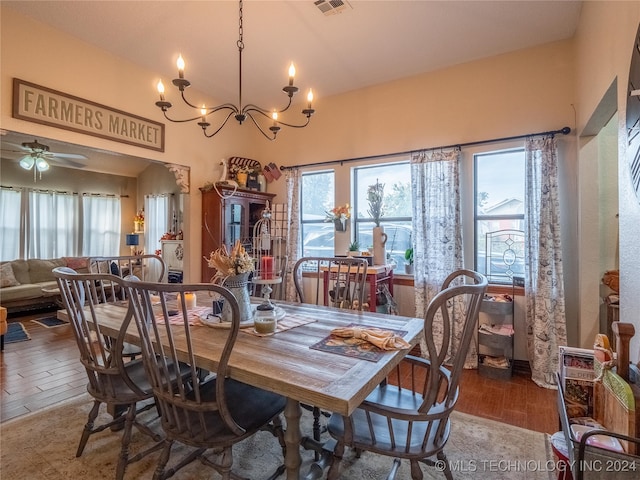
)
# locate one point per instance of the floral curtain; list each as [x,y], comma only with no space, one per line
[437,240]
[292,180]
[544,290]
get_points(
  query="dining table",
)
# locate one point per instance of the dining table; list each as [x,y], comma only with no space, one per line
[292,362]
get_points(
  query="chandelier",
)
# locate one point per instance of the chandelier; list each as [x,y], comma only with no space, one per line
[240,112]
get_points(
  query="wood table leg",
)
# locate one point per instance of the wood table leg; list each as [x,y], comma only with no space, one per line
[292,437]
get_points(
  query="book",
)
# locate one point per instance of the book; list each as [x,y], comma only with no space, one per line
[576,375]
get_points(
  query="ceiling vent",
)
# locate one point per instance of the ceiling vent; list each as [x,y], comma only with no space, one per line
[331,7]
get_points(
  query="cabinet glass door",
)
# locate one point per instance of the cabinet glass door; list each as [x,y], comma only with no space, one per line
[235,216]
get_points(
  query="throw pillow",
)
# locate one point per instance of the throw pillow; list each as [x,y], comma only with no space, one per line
[76,263]
[7,278]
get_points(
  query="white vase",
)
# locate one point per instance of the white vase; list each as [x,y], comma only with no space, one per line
[379,242]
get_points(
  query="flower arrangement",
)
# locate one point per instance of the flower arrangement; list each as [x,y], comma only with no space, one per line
[227,264]
[139,216]
[375,195]
[341,212]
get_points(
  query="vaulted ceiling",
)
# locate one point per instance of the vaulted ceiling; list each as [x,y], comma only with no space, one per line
[365,43]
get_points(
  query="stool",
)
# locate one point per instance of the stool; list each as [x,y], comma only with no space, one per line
[561,452]
[3,326]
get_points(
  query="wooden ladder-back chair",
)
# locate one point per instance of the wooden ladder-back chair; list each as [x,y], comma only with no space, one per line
[213,411]
[112,381]
[408,415]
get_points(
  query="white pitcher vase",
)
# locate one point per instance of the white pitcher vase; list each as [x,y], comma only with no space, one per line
[379,242]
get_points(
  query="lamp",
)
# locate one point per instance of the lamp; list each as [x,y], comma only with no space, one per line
[132,240]
[240,112]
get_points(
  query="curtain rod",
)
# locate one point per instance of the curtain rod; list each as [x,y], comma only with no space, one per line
[564,131]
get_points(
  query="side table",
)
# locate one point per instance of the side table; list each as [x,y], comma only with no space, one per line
[376,276]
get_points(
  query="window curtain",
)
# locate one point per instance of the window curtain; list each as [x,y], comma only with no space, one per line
[437,240]
[101,218]
[52,226]
[544,287]
[10,218]
[292,181]
[156,224]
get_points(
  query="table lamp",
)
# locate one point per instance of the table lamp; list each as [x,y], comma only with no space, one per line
[132,240]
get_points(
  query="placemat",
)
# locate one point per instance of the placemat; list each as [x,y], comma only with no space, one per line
[354,347]
[286,323]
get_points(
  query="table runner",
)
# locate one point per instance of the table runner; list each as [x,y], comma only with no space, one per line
[289,321]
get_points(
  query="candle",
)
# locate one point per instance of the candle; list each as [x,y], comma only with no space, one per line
[292,73]
[265,325]
[180,64]
[267,267]
[189,299]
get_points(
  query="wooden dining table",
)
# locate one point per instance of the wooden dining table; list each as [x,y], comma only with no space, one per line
[286,364]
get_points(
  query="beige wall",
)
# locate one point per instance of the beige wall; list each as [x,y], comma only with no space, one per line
[532,90]
[604,43]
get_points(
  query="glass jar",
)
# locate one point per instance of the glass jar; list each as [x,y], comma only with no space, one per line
[264,318]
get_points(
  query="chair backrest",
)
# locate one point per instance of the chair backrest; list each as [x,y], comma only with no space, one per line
[333,281]
[83,298]
[166,326]
[461,297]
[148,268]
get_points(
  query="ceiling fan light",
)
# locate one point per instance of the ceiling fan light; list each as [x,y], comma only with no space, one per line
[27,162]
[42,165]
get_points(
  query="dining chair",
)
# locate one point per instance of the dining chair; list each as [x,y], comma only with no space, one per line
[346,281]
[214,412]
[112,380]
[149,268]
[407,416]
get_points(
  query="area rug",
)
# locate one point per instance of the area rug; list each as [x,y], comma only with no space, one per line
[49,322]
[42,445]
[16,333]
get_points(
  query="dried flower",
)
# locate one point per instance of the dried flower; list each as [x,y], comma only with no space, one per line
[139,216]
[375,195]
[342,212]
[227,264]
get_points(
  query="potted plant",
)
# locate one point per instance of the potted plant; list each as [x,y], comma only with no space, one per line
[408,256]
[354,248]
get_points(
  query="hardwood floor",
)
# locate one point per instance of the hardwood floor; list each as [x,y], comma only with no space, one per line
[46,370]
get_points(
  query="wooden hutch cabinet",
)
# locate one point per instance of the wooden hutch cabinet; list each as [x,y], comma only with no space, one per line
[225,220]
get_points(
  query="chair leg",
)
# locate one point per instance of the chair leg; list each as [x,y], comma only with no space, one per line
[316,430]
[162,461]
[123,460]
[334,469]
[88,428]
[447,468]
[416,471]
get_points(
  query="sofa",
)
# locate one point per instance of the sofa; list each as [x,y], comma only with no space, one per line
[30,284]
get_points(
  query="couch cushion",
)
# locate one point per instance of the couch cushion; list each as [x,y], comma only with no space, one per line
[7,278]
[21,292]
[21,271]
[40,270]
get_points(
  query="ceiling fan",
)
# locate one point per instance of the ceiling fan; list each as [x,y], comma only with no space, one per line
[38,156]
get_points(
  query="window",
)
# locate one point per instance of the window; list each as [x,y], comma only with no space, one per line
[317,196]
[10,201]
[101,225]
[499,214]
[396,208]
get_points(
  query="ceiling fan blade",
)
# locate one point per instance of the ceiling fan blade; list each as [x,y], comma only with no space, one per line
[77,156]
[14,146]
[63,162]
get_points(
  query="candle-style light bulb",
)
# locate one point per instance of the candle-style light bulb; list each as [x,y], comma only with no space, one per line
[180,64]
[203,112]
[160,88]
[292,73]
[274,115]
[310,98]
